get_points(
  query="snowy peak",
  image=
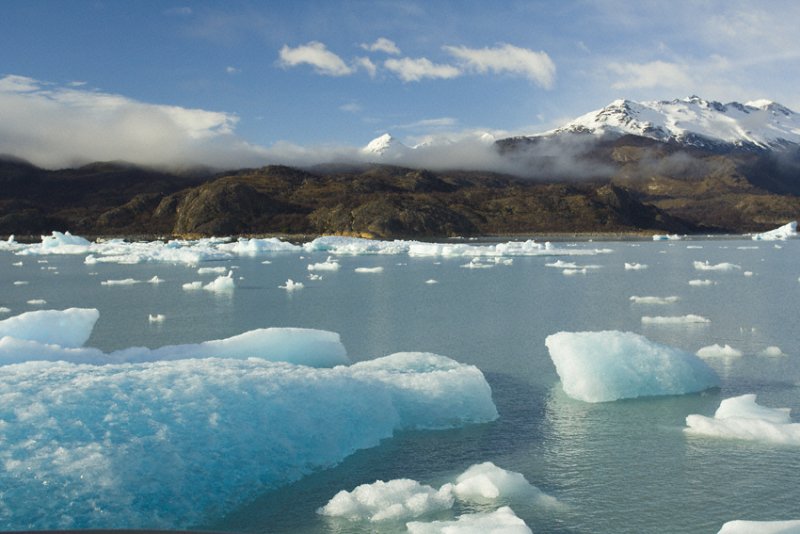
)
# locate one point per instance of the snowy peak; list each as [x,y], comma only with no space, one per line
[695,121]
[385,146]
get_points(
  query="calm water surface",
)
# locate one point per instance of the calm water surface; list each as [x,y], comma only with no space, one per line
[624,466]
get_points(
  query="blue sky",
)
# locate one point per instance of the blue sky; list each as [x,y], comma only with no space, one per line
[241,81]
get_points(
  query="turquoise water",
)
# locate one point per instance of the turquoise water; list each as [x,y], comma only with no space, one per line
[624,466]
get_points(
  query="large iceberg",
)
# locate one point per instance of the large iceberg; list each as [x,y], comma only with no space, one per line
[761,527]
[784,232]
[175,444]
[742,418]
[611,365]
[66,328]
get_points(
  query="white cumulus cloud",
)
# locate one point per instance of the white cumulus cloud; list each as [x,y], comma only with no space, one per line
[382,44]
[510,59]
[57,126]
[416,69]
[648,75]
[318,56]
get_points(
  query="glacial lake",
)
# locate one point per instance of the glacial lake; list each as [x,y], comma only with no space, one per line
[622,466]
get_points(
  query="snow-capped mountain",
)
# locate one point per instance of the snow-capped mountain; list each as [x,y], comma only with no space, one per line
[758,124]
[385,146]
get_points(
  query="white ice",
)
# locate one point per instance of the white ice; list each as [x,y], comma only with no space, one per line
[700,283]
[123,282]
[761,527]
[786,231]
[675,319]
[173,444]
[291,285]
[211,270]
[772,352]
[369,270]
[155,280]
[328,265]
[58,243]
[222,284]
[37,302]
[719,351]
[635,266]
[724,266]
[156,318]
[191,286]
[404,499]
[4,309]
[666,237]
[742,418]
[501,521]
[659,301]
[66,328]
[610,365]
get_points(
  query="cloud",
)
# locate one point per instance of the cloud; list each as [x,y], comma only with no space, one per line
[318,56]
[232,70]
[416,69]
[506,58]
[350,107]
[366,64]
[440,122]
[58,126]
[649,75]
[384,45]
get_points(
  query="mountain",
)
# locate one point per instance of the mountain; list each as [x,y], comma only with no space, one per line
[693,121]
[385,147]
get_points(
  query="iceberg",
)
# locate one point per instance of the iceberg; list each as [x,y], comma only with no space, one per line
[675,319]
[58,243]
[488,481]
[222,284]
[501,521]
[742,418]
[719,351]
[611,365]
[654,300]
[172,444]
[724,266]
[761,527]
[783,233]
[328,265]
[66,328]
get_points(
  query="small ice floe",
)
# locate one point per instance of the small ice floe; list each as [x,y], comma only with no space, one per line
[772,352]
[211,270]
[368,270]
[155,280]
[477,263]
[706,266]
[156,318]
[742,418]
[123,282]
[782,233]
[748,273]
[572,272]
[3,309]
[291,285]
[635,266]
[791,526]
[675,319]
[719,351]
[21,283]
[654,300]
[314,276]
[431,281]
[501,520]
[222,284]
[694,247]
[266,262]
[328,265]
[666,237]
[191,286]
[37,302]
[702,283]
[17,264]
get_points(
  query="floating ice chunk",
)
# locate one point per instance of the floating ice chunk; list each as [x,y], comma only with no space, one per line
[17,264]
[256,246]
[313,276]
[701,283]
[328,265]
[772,352]
[222,284]
[356,246]
[724,266]
[666,237]
[748,273]
[155,280]
[784,232]
[742,418]
[572,272]
[291,285]
[501,521]
[21,282]
[399,499]
[3,309]
[67,328]
[477,263]
[561,264]
[266,262]
[487,481]
[369,270]
[191,286]
[157,318]
[37,302]
[717,351]
[139,444]
[611,365]
[58,243]
[123,282]
[211,270]
[431,281]
[761,527]
[654,300]
[675,319]
[635,266]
